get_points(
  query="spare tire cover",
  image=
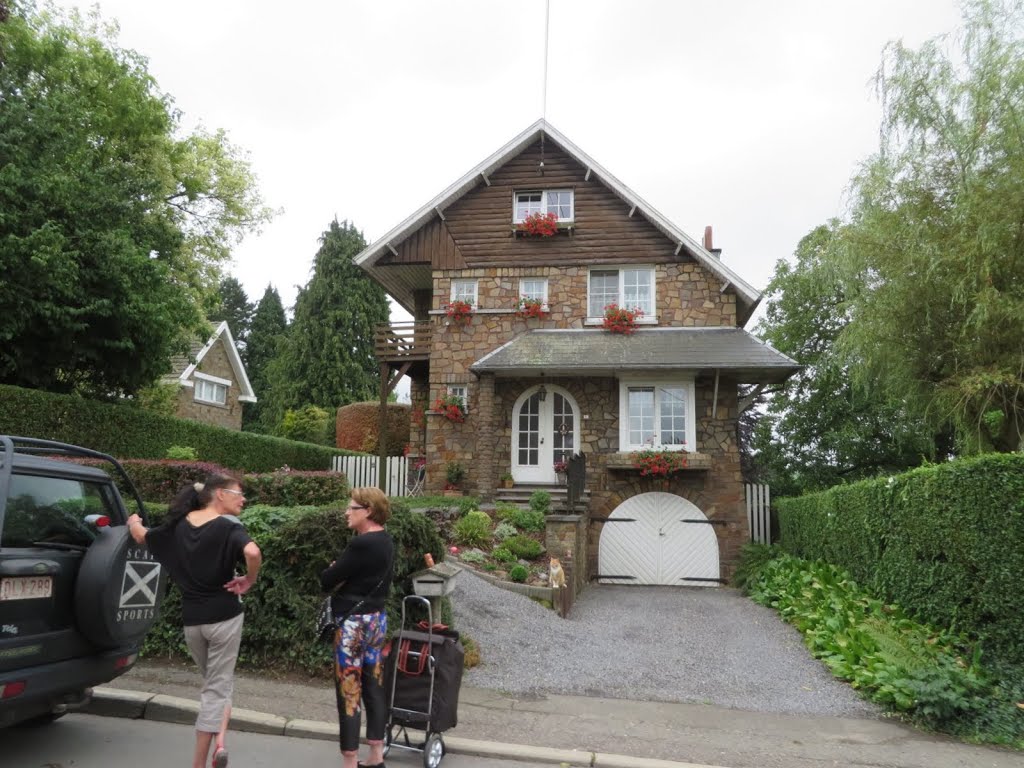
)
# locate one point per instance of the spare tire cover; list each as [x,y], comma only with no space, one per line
[118,590]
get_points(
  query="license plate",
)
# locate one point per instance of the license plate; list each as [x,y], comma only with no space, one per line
[26,587]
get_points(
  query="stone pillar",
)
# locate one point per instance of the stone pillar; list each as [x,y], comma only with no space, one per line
[487,424]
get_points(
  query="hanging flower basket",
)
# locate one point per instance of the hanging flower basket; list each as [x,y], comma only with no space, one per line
[531,308]
[621,320]
[539,224]
[653,463]
[459,312]
[451,407]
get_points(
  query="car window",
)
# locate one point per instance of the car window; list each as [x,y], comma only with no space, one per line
[52,510]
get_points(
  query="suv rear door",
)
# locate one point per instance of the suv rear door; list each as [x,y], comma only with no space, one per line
[46,528]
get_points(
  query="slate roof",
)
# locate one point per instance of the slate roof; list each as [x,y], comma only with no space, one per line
[584,351]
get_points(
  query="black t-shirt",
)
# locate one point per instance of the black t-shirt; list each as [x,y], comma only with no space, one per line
[359,569]
[201,559]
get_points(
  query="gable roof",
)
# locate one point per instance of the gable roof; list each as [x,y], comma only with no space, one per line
[187,366]
[746,295]
[586,351]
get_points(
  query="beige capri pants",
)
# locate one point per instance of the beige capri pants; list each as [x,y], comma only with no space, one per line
[214,648]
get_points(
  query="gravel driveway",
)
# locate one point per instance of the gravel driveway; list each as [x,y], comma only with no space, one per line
[695,645]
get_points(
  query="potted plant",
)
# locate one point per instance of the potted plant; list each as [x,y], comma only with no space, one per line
[459,312]
[620,319]
[652,463]
[560,469]
[526,307]
[539,224]
[507,480]
[453,474]
[451,407]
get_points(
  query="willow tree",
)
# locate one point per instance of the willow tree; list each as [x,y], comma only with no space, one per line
[934,244]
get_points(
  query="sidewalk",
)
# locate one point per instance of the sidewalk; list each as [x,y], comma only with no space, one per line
[585,731]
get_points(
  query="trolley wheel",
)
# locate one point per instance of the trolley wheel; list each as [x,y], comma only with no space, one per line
[433,750]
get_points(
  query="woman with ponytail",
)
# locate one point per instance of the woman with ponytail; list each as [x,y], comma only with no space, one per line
[200,544]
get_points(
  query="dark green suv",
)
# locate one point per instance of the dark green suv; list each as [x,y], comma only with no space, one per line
[77,595]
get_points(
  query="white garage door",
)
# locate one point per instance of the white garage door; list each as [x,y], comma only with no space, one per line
[658,538]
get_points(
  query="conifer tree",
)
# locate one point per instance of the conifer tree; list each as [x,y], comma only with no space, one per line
[266,333]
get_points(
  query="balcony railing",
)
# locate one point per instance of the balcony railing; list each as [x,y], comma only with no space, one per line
[401,342]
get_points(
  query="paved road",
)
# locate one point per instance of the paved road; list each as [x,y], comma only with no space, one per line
[87,741]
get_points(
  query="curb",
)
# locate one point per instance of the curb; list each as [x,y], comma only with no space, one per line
[115,702]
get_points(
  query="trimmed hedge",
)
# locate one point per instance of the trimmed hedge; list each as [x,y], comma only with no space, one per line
[945,542]
[281,609]
[127,431]
[160,480]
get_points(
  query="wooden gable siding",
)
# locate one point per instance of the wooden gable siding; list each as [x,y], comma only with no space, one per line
[430,244]
[604,233]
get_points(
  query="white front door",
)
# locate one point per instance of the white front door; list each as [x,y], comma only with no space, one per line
[545,430]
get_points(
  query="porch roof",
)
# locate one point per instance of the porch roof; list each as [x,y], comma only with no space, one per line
[596,352]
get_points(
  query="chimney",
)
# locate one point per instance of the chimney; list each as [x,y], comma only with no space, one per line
[708,243]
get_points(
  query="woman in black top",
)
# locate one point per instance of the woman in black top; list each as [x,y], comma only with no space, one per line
[200,544]
[362,576]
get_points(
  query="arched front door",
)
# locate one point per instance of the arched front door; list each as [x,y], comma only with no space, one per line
[658,538]
[545,429]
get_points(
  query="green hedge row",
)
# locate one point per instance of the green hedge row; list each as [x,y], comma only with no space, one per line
[127,431]
[281,609]
[161,480]
[944,542]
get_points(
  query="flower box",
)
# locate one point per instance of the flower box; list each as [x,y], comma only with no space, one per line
[451,407]
[623,461]
[539,225]
[459,312]
[534,308]
[620,319]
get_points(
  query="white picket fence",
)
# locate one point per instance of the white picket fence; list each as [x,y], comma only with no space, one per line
[362,471]
[758,512]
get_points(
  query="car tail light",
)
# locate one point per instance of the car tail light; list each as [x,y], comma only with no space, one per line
[125,661]
[100,521]
[10,690]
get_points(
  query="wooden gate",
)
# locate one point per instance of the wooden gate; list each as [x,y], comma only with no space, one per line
[361,472]
[759,515]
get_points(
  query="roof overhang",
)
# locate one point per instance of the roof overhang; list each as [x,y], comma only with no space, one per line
[584,352]
[400,287]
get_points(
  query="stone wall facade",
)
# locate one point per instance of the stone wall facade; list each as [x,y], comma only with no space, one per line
[214,363]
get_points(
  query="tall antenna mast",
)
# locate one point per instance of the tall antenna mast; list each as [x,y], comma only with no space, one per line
[547,22]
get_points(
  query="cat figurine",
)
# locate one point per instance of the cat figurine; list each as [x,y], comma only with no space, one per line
[556,576]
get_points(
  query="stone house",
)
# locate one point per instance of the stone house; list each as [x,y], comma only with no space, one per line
[538,390]
[212,380]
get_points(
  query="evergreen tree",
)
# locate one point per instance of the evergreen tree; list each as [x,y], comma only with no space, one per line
[328,360]
[266,332]
[235,307]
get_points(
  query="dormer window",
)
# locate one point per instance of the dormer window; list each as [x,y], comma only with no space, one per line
[556,201]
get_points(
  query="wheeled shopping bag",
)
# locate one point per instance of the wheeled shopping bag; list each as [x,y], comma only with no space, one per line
[424,671]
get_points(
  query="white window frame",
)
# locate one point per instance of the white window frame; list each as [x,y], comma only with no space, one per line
[517,219]
[648,318]
[544,290]
[658,383]
[204,382]
[460,391]
[458,292]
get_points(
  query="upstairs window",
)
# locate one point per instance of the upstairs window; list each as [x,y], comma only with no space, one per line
[657,414]
[556,201]
[535,289]
[465,290]
[211,390]
[628,288]
[460,391]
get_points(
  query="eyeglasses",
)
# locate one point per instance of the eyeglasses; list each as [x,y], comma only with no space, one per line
[237,493]
[356,506]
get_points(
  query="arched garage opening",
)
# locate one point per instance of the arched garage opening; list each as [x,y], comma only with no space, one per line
[658,538]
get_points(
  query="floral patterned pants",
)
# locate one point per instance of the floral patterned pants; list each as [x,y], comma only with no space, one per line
[359,676]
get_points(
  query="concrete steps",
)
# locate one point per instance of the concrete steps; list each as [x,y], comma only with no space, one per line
[520,493]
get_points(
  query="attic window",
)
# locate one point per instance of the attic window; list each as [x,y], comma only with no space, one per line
[211,390]
[557,201]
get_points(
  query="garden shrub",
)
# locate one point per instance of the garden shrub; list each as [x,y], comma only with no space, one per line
[281,608]
[125,430]
[503,555]
[945,541]
[528,520]
[524,547]
[472,556]
[473,530]
[518,573]
[540,501]
[503,530]
[181,453]
[504,511]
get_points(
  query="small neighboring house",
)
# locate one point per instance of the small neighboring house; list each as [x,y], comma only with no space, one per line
[213,382]
[538,390]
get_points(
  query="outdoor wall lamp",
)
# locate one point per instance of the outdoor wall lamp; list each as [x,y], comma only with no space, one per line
[542,393]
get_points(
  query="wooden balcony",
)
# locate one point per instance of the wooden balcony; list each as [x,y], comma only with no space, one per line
[402,342]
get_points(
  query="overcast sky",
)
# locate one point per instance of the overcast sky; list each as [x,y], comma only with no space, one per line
[747,115]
